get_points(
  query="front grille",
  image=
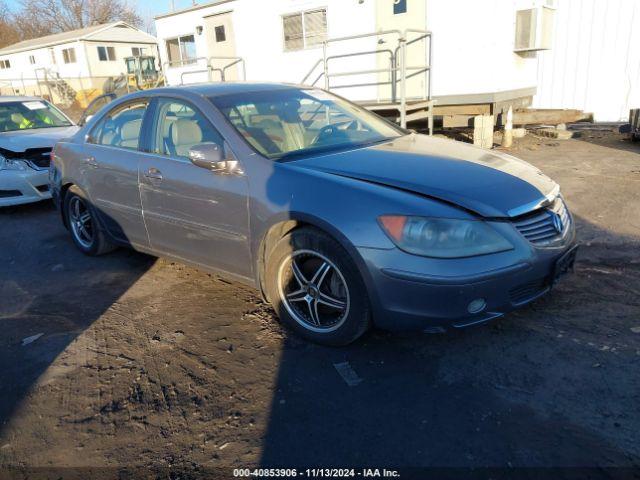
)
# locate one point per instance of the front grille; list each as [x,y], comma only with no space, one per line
[527,291]
[10,193]
[542,227]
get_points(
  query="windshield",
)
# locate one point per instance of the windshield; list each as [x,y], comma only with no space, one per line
[31,114]
[286,124]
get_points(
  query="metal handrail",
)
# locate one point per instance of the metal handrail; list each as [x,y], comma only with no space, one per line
[398,69]
[236,61]
[315,65]
[425,34]
[183,63]
[209,68]
[191,72]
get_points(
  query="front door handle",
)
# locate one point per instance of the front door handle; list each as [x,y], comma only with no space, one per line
[153,174]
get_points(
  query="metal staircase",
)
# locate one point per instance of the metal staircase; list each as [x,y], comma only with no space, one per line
[59,90]
[409,109]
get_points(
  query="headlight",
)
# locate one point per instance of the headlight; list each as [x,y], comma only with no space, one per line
[443,237]
[10,164]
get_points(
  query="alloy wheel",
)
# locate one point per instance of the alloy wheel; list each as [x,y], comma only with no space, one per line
[81,222]
[314,291]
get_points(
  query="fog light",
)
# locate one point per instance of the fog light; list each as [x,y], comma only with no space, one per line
[477,305]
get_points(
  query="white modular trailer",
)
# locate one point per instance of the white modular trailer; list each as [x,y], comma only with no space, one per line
[595,61]
[473,55]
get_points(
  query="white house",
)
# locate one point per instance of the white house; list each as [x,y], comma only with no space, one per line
[82,59]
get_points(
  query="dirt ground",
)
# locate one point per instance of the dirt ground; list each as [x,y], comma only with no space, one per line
[147,363]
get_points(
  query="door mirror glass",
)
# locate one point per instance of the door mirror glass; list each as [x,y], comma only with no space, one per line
[211,157]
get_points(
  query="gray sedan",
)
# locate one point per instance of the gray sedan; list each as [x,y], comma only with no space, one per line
[341,219]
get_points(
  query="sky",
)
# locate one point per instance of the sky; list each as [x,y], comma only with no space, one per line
[146,8]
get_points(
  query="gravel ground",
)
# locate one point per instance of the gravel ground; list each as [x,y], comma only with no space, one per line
[147,363]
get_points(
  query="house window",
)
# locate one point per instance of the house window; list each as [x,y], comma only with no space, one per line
[106,54]
[305,29]
[221,35]
[53,56]
[137,51]
[181,50]
[69,55]
[32,59]
[5,64]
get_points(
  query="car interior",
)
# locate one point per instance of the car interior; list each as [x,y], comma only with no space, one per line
[180,127]
[296,124]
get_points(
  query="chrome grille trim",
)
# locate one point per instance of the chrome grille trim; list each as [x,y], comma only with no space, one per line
[538,227]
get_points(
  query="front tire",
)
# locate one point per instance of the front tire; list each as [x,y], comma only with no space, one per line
[316,288]
[83,224]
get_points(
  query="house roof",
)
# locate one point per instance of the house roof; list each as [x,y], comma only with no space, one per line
[190,9]
[65,37]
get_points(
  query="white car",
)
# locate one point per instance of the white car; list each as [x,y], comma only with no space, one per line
[29,128]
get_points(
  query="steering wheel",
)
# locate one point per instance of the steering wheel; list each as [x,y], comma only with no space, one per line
[329,130]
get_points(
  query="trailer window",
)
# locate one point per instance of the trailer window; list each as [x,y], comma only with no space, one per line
[304,29]
[181,50]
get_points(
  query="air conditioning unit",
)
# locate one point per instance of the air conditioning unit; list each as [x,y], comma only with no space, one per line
[534,29]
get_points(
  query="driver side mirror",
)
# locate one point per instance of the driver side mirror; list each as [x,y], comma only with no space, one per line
[84,120]
[210,156]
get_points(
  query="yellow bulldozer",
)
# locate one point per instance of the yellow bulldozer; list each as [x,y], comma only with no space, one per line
[142,73]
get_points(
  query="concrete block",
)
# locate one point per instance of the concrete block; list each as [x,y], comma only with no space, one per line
[483,131]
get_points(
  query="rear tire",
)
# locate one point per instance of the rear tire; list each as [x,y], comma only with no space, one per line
[316,288]
[83,225]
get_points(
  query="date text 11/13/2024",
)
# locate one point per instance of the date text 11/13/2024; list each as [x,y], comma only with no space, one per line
[315,473]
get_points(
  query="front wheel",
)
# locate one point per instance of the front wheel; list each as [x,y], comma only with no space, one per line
[316,288]
[83,225]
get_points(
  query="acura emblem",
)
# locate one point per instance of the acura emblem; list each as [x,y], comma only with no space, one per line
[557,222]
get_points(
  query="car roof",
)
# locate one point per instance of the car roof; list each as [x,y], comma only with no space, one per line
[18,98]
[215,89]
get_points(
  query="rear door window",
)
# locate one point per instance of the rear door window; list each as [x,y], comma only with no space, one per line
[122,126]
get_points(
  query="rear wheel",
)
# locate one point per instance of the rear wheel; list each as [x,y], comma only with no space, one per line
[84,228]
[316,288]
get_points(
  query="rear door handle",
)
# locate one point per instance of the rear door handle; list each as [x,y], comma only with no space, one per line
[91,161]
[153,174]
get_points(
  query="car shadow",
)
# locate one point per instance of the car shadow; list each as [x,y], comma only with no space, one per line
[607,136]
[46,305]
[472,402]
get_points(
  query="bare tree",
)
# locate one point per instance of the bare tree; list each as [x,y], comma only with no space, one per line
[42,17]
[8,32]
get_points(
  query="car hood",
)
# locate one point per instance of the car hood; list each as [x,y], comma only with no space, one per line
[489,183]
[21,140]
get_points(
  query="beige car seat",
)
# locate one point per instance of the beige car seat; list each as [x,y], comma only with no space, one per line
[185,134]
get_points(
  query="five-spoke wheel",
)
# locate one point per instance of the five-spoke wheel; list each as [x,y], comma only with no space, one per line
[313,290]
[80,221]
[316,288]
